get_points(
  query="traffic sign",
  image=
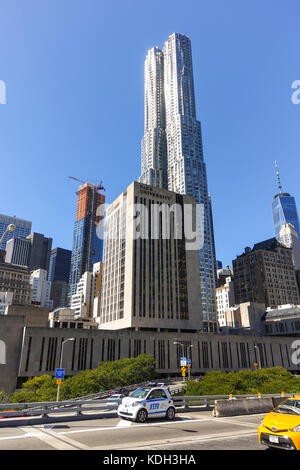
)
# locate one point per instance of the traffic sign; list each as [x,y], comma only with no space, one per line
[58,381]
[59,373]
[183,361]
[189,363]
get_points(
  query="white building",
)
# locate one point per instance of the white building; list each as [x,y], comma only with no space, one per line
[41,288]
[81,302]
[225,300]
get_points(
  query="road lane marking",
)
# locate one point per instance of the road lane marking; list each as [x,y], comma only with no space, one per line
[50,438]
[124,424]
[133,426]
[174,441]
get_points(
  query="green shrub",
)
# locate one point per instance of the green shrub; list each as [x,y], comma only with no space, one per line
[245,382]
[107,376]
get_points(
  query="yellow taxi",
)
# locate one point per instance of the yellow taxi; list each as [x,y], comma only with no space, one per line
[281,427]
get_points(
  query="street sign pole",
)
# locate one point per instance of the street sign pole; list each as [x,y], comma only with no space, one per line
[59,375]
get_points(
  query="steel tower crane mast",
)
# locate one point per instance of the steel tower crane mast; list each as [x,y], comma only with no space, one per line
[99,187]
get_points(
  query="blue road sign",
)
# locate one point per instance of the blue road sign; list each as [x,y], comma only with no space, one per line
[183,361]
[59,373]
[188,362]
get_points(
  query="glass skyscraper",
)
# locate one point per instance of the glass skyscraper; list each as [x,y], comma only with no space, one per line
[60,262]
[284,210]
[172,143]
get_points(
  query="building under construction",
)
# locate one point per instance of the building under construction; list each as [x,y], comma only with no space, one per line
[87,240]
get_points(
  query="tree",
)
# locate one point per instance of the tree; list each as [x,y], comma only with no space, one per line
[107,376]
[3,397]
[245,382]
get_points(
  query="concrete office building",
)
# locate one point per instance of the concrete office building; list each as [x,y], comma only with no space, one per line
[65,318]
[150,278]
[23,228]
[266,274]
[15,279]
[246,317]
[41,288]
[34,351]
[17,251]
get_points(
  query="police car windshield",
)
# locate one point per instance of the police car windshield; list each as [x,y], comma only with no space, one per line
[140,393]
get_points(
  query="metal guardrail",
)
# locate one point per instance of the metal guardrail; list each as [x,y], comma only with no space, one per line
[78,407]
[208,400]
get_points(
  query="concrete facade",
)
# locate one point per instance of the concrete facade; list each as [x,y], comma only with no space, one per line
[149,281]
[33,351]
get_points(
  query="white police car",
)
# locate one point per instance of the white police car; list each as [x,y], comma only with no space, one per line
[147,402]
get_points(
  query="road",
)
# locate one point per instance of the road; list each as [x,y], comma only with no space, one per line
[189,431]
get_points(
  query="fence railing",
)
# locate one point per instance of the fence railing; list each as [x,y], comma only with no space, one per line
[79,407]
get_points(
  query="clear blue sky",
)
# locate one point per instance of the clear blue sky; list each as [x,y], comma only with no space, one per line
[74,76]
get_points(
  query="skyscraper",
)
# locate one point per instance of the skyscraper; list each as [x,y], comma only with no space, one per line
[59,273]
[284,210]
[173,106]
[40,249]
[60,261]
[23,228]
[154,144]
[149,283]
[87,246]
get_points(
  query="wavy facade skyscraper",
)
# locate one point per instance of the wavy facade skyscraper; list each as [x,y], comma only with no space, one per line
[154,144]
[172,104]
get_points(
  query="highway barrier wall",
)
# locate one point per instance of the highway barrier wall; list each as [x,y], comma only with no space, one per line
[245,406]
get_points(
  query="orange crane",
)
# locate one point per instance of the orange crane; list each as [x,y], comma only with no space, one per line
[98,187]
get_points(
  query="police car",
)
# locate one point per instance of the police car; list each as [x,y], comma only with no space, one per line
[147,402]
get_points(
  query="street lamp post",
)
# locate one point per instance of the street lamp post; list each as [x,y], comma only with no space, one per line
[182,347]
[61,362]
[9,228]
[189,368]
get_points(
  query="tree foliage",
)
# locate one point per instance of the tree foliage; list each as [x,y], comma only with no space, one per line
[108,375]
[245,382]
[3,397]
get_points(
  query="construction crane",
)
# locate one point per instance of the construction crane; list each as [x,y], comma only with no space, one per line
[99,187]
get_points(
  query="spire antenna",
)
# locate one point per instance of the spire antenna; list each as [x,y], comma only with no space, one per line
[278,177]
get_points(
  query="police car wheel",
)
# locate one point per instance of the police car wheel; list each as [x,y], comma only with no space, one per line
[170,413]
[141,416]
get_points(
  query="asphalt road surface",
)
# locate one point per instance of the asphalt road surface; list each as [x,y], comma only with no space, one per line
[189,431]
